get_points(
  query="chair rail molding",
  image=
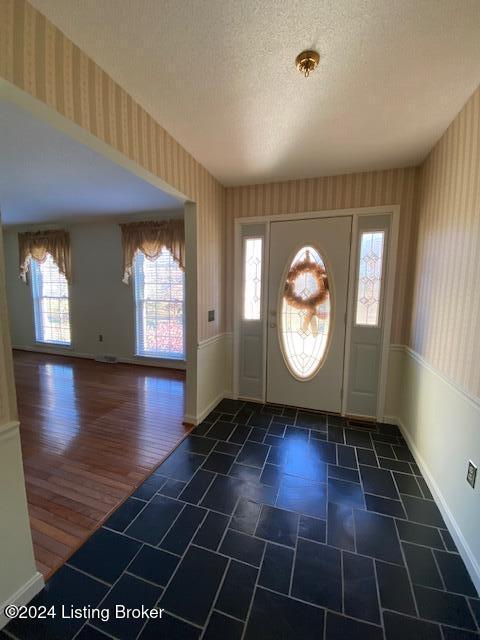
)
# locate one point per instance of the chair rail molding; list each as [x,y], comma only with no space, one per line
[212,375]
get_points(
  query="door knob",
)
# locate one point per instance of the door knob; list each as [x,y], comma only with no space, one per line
[273,325]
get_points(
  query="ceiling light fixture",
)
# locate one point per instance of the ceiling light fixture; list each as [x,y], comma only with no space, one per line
[307,62]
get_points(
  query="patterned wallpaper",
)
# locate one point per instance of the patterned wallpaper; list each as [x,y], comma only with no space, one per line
[396,186]
[37,57]
[445,326]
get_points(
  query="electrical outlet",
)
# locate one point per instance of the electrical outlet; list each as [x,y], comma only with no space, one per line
[211,315]
[471,474]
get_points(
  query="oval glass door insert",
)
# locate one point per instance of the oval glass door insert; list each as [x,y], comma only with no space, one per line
[305,314]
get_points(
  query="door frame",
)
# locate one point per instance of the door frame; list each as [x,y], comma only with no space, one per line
[355,214]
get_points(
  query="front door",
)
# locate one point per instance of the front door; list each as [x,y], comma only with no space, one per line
[307,304]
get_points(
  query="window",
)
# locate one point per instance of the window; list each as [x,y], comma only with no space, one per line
[159,306]
[305,314]
[50,302]
[252,278]
[370,278]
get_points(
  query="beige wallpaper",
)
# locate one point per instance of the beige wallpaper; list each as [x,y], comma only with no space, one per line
[396,186]
[445,326]
[37,57]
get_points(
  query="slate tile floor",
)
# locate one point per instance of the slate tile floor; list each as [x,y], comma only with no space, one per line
[272,523]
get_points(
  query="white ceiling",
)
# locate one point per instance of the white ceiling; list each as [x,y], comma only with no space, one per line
[46,176]
[219,75]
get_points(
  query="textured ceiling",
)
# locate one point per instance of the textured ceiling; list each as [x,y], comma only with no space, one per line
[47,176]
[219,75]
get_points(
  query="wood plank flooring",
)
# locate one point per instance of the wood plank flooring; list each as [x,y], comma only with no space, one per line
[91,433]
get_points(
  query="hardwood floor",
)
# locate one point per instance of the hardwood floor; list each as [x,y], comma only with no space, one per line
[90,434]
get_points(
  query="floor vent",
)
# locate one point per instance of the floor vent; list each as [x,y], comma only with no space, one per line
[103,357]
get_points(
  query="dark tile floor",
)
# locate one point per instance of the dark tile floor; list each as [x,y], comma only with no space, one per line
[271,523]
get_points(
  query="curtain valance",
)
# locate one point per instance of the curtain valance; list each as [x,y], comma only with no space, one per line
[36,246]
[150,238]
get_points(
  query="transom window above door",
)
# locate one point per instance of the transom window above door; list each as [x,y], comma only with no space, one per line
[51,306]
[159,287]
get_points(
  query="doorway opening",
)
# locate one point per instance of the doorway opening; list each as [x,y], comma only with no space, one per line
[100,366]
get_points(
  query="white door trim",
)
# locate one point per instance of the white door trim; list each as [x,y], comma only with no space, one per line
[265,308]
[388,313]
[237,305]
[392,210]
[350,307]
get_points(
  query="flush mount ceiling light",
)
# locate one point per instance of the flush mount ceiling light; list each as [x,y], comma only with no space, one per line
[307,62]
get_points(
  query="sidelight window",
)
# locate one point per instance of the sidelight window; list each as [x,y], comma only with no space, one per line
[252,278]
[369,287]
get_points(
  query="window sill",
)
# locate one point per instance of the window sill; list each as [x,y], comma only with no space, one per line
[146,356]
[170,363]
[54,345]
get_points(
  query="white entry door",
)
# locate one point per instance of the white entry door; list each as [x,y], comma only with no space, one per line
[307,303]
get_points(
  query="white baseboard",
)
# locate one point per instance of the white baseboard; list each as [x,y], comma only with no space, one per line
[160,364]
[195,420]
[23,596]
[392,420]
[248,399]
[145,362]
[53,351]
[213,377]
[452,525]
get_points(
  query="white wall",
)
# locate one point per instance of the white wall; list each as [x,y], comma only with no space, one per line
[440,422]
[99,301]
[19,578]
[214,372]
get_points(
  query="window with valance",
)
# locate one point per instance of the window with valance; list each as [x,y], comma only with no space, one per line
[154,253]
[47,255]
[151,237]
[38,245]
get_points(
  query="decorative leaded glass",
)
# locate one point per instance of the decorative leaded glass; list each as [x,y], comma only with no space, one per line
[252,285]
[305,307]
[369,278]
